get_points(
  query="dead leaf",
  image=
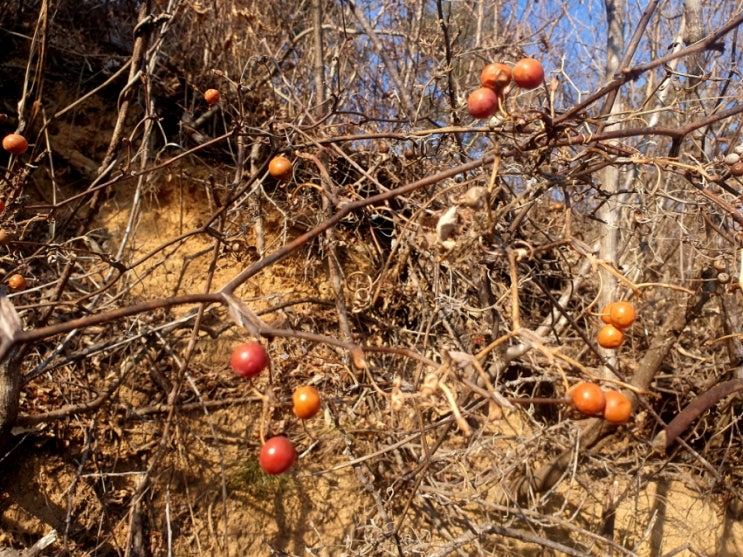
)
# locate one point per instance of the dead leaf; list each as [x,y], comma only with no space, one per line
[447,224]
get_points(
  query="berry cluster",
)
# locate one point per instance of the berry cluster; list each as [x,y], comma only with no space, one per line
[592,400]
[495,84]
[617,316]
[277,454]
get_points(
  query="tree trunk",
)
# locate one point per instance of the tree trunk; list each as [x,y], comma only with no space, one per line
[10,369]
[610,176]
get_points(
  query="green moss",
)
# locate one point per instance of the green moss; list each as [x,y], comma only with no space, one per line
[251,478]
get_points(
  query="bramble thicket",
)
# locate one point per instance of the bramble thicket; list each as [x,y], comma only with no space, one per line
[499,243]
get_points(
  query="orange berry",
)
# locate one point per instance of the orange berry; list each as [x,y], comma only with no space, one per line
[610,337]
[15,144]
[305,402]
[622,314]
[17,282]
[280,168]
[211,96]
[618,408]
[588,398]
[606,313]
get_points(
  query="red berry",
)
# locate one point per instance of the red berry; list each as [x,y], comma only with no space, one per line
[528,73]
[482,103]
[249,359]
[277,455]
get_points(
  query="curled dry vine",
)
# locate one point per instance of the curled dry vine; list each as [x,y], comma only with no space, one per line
[438,283]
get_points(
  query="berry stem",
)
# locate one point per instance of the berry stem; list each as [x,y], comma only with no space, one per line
[538,400]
